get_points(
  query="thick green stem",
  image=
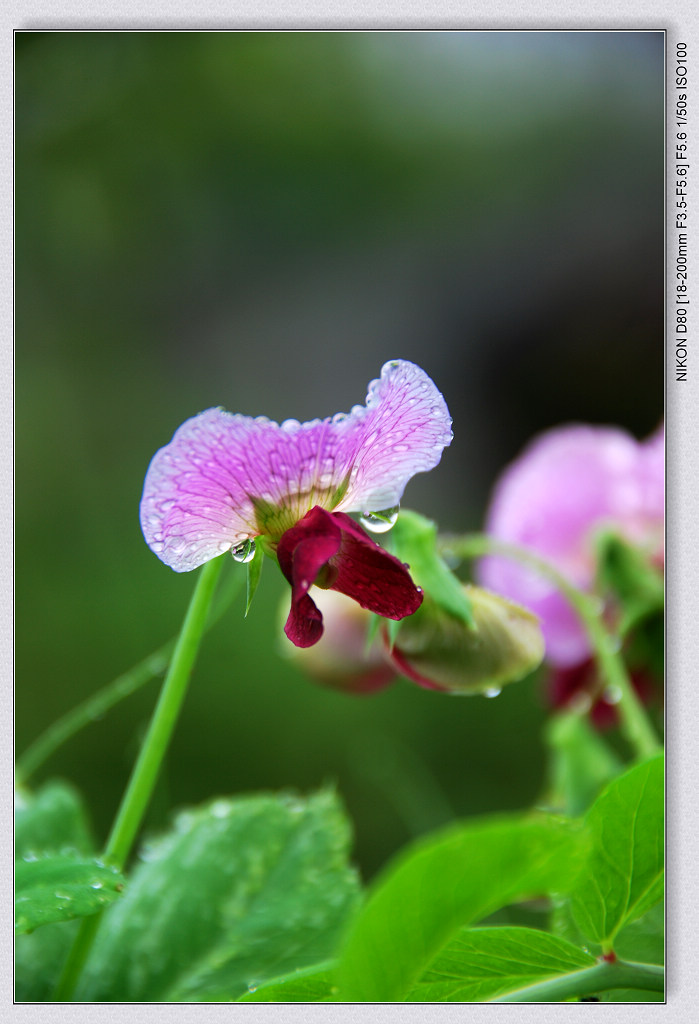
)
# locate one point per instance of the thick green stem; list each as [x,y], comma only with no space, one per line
[97,704]
[143,777]
[600,978]
[635,725]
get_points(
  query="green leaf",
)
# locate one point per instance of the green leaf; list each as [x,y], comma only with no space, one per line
[254,572]
[314,985]
[50,821]
[414,540]
[39,958]
[581,762]
[241,891]
[484,962]
[441,884]
[61,887]
[624,875]
[627,572]
[642,941]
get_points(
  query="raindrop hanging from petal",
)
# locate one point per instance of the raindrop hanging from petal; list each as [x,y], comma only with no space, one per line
[244,552]
[380,522]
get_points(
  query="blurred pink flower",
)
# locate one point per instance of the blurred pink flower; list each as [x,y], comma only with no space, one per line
[568,483]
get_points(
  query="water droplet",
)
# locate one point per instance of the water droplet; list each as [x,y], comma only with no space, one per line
[252,986]
[245,551]
[492,691]
[380,522]
[96,885]
[612,695]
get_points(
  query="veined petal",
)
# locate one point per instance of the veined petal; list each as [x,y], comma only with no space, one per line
[225,477]
[403,429]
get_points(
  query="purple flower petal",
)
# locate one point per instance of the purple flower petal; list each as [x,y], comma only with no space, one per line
[225,477]
[403,430]
[566,484]
[653,476]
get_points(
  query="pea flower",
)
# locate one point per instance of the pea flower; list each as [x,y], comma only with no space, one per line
[567,484]
[226,479]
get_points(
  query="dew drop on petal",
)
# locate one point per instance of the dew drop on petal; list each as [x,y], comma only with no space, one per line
[380,522]
[245,551]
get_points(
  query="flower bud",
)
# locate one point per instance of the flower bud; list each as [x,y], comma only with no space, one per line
[440,652]
[343,659]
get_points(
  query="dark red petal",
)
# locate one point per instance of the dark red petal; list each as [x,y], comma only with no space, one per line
[374,579]
[302,552]
[304,626]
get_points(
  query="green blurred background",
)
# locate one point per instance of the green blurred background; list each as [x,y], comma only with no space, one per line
[260,221]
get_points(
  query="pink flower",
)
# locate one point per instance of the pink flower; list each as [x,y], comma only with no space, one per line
[566,485]
[225,479]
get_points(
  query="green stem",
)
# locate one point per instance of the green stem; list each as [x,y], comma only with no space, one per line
[97,704]
[635,725]
[600,978]
[143,777]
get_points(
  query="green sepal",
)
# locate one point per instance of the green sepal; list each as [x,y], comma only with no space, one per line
[254,572]
[372,631]
[393,629]
[414,541]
